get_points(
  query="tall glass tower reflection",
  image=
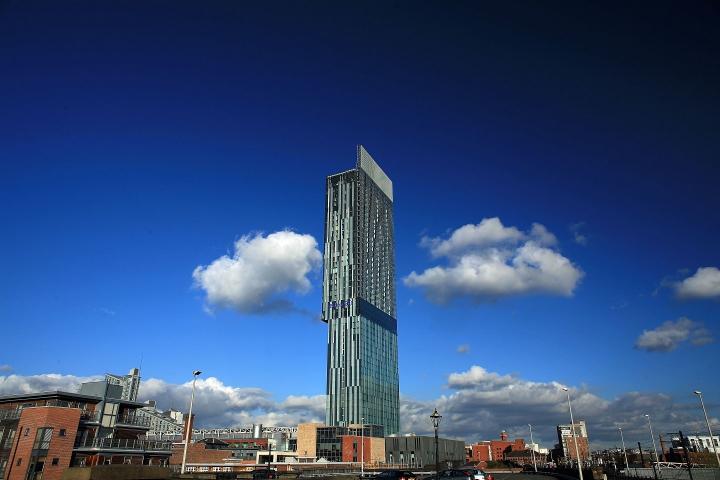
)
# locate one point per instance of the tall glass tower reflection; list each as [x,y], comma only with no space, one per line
[359,297]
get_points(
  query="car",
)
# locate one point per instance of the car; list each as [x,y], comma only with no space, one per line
[395,475]
[475,473]
[264,473]
[468,473]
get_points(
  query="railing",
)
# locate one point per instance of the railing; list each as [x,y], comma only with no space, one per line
[123,444]
[133,419]
[10,414]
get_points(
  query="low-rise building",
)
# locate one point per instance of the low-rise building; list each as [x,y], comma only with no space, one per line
[42,434]
[418,451]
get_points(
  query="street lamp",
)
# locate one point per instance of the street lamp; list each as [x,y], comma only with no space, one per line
[652,436]
[572,428]
[532,446]
[622,439]
[712,440]
[188,425]
[435,417]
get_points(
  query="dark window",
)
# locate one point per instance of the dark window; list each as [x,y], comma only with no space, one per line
[18,462]
[26,432]
[62,432]
[55,461]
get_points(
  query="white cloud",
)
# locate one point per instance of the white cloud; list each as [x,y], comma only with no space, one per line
[704,284]
[490,231]
[478,406]
[483,403]
[260,271]
[464,348]
[42,383]
[489,261]
[6,368]
[216,404]
[671,334]
[578,236]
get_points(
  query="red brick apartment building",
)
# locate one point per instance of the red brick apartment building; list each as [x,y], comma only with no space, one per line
[494,450]
[42,434]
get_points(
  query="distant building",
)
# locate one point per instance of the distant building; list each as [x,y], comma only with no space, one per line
[418,451]
[494,450]
[162,422]
[319,442]
[525,457]
[130,383]
[565,434]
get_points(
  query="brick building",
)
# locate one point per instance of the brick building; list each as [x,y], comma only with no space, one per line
[494,450]
[42,434]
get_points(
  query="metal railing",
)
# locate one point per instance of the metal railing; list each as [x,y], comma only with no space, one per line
[10,414]
[131,418]
[123,444]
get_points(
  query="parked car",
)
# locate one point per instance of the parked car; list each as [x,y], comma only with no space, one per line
[395,475]
[476,474]
[264,473]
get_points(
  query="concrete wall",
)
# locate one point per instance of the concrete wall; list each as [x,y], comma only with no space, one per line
[307,439]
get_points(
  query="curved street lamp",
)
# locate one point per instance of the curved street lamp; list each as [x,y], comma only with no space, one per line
[572,429]
[188,425]
[532,446]
[712,440]
[622,439]
[435,417]
[652,437]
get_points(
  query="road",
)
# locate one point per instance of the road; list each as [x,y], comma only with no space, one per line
[521,476]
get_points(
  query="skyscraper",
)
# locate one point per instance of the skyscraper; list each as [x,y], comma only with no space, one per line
[359,297]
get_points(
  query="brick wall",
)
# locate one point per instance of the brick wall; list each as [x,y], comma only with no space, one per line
[197,453]
[61,447]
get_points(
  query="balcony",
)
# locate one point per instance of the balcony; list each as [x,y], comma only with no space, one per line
[122,445]
[132,420]
[10,414]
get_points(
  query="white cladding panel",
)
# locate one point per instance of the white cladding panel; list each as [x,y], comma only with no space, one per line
[369,166]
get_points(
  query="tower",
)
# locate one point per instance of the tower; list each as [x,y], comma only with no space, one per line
[359,303]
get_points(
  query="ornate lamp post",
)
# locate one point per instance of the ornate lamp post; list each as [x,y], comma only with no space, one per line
[435,417]
[188,426]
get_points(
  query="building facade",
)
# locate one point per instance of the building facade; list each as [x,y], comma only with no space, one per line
[418,451]
[42,434]
[130,383]
[566,443]
[359,303]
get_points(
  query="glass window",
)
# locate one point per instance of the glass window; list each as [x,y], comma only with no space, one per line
[42,439]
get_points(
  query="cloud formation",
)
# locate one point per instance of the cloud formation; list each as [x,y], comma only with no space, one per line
[704,284]
[578,237]
[216,404]
[464,348]
[668,336]
[480,404]
[261,270]
[489,261]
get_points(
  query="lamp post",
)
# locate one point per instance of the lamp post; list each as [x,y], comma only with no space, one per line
[188,426]
[532,446]
[622,439]
[572,429]
[652,437]
[362,447]
[712,440]
[435,417]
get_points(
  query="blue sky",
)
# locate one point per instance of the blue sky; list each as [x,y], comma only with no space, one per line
[141,141]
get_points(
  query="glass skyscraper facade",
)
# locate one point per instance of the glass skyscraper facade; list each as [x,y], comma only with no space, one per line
[359,298]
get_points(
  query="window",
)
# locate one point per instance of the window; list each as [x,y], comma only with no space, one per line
[26,432]
[55,461]
[19,462]
[42,438]
[62,432]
